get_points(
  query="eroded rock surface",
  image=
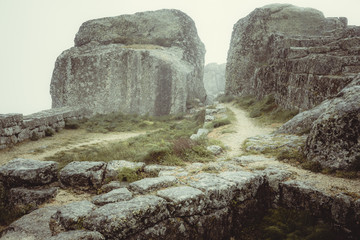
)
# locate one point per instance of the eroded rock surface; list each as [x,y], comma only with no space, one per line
[294,53]
[145,63]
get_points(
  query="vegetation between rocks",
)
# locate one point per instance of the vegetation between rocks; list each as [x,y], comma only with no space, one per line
[265,111]
[170,145]
[289,224]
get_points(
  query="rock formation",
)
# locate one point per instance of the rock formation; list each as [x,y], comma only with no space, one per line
[145,63]
[334,129]
[214,79]
[294,53]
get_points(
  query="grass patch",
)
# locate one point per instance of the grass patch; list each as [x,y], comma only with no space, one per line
[168,146]
[265,111]
[119,122]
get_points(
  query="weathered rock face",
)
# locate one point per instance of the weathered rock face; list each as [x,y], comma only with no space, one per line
[146,63]
[294,53]
[214,79]
[334,139]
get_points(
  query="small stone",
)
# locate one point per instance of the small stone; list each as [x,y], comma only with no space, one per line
[215,149]
[116,195]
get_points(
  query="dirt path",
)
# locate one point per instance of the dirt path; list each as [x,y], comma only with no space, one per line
[241,128]
[65,140]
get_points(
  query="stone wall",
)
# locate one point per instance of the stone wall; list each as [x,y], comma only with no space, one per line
[294,53]
[15,128]
[181,203]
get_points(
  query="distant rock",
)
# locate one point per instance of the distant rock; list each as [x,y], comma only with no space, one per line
[145,63]
[293,53]
[214,79]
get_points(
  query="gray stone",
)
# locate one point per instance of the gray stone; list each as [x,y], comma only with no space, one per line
[218,191]
[145,63]
[113,185]
[184,201]
[121,219]
[71,216]
[246,159]
[334,137]
[113,167]
[147,185]
[33,197]
[33,226]
[247,183]
[201,133]
[116,195]
[83,174]
[78,235]
[155,169]
[214,149]
[209,118]
[26,172]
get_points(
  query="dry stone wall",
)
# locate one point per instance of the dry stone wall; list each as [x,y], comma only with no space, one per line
[15,128]
[294,53]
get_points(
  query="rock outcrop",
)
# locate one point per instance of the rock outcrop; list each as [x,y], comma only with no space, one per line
[294,53]
[145,63]
[333,128]
[214,79]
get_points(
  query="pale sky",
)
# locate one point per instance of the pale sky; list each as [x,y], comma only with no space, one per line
[34,32]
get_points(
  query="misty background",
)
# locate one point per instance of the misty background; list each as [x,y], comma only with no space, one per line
[35,32]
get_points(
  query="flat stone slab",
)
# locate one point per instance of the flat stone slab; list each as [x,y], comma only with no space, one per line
[155,168]
[83,174]
[218,191]
[113,167]
[70,216]
[116,195]
[121,219]
[151,184]
[247,183]
[21,172]
[184,201]
[244,160]
[34,226]
[78,235]
[113,185]
[32,197]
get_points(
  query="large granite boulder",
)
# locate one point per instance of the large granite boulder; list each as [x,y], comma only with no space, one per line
[293,53]
[145,63]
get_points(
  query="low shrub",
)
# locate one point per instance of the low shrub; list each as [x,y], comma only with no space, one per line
[225,98]
[312,166]
[72,124]
[129,175]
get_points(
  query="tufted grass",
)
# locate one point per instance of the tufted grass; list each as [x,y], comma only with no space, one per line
[265,111]
[170,145]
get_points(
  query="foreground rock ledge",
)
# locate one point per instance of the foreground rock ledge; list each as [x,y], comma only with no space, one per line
[200,206]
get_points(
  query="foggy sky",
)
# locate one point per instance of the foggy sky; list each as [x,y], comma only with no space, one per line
[35,32]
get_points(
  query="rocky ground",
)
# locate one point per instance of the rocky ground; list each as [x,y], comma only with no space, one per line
[217,194]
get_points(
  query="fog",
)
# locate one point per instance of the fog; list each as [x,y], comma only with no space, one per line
[35,32]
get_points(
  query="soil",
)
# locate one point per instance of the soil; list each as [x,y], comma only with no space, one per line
[243,127]
[64,140]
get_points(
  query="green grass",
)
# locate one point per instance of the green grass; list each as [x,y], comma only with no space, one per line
[265,111]
[119,122]
[168,146]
